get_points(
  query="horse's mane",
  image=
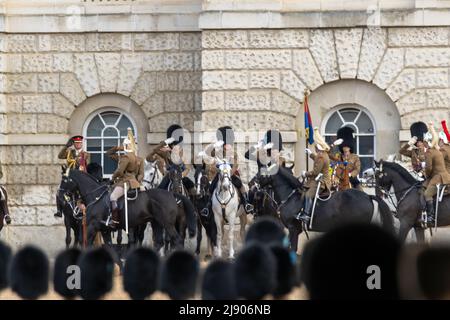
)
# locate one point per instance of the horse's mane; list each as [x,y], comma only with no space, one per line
[400,170]
[82,173]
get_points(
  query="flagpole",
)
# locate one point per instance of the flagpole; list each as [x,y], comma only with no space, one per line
[306,133]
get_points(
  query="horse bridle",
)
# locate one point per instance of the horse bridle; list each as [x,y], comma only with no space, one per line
[231,189]
[151,182]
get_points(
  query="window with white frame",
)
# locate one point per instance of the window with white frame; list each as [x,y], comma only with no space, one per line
[104,130]
[363,126]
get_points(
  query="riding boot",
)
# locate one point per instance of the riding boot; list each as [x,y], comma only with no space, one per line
[430,213]
[113,219]
[58,214]
[305,214]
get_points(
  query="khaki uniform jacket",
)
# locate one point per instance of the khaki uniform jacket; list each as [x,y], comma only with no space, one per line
[445,149]
[127,171]
[141,171]
[64,151]
[417,156]
[353,163]
[321,165]
[210,167]
[435,170]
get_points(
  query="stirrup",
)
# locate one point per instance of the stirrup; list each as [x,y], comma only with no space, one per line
[7,219]
[204,212]
[303,216]
[249,208]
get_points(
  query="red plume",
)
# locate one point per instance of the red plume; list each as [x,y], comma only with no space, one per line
[444,126]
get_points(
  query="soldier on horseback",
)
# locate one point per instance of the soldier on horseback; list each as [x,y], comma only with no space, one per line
[435,171]
[416,147]
[348,164]
[3,204]
[321,166]
[76,158]
[169,156]
[223,149]
[127,171]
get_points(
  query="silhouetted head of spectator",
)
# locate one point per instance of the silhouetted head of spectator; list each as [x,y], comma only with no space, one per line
[255,271]
[5,258]
[286,271]
[356,261]
[305,262]
[433,268]
[140,274]
[179,275]
[218,281]
[64,268]
[97,271]
[29,273]
[266,231]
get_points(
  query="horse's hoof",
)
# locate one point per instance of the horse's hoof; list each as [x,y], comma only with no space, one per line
[208,257]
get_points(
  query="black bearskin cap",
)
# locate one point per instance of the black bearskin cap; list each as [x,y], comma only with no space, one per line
[140,273]
[274,136]
[179,275]
[175,131]
[265,230]
[218,281]
[61,272]
[29,273]
[346,134]
[226,134]
[418,129]
[286,271]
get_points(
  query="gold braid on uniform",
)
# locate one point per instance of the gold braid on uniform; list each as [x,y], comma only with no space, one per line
[70,161]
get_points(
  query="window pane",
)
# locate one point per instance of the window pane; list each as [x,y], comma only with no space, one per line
[330,139]
[95,127]
[333,124]
[93,145]
[109,166]
[96,157]
[366,163]
[349,115]
[366,145]
[110,117]
[110,132]
[123,126]
[364,124]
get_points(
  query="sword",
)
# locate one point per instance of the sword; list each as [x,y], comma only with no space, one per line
[319,176]
[126,206]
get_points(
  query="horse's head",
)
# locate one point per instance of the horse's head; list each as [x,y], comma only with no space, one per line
[383,179]
[149,170]
[175,176]
[67,182]
[201,181]
[224,174]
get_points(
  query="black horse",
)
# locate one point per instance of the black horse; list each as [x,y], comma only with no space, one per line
[152,205]
[342,207]
[409,195]
[201,200]
[263,199]
[66,202]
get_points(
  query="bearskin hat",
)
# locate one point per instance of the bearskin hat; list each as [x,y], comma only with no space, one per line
[5,258]
[218,281]
[175,131]
[255,271]
[346,134]
[97,270]
[286,271]
[61,272]
[225,134]
[141,273]
[265,230]
[29,273]
[179,275]
[418,129]
[274,137]
[95,170]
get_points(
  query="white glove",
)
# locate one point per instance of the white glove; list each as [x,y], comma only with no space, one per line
[303,174]
[218,144]
[259,145]
[201,154]
[169,141]
[412,141]
[423,165]
[338,142]
[268,146]
[308,151]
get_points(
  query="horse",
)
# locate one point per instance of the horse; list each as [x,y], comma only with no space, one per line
[226,208]
[66,201]
[409,195]
[4,210]
[201,200]
[152,205]
[340,208]
[152,175]
[262,199]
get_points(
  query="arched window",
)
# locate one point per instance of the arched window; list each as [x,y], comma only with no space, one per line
[104,130]
[363,126]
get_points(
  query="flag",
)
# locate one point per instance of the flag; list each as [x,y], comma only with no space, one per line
[308,123]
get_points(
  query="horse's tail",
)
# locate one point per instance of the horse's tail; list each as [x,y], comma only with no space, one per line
[190,212]
[387,219]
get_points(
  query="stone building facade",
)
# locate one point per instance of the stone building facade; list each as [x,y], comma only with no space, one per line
[203,64]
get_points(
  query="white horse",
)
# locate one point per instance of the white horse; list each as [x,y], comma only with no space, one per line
[225,206]
[152,175]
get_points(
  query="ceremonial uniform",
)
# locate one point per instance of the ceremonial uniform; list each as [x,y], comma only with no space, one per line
[76,158]
[415,148]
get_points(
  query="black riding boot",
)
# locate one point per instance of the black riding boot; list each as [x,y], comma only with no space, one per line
[113,219]
[305,214]
[430,213]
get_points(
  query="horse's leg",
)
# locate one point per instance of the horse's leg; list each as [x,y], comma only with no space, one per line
[199,236]
[420,234]
[243,223]
[68,231]
[119,237]
[231,234]
[293,237]
[157,235]
[106,235]
[91,234]
[131,238]
[219,224]
[403,231]
[174,236]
